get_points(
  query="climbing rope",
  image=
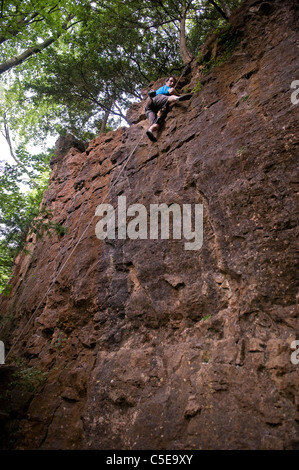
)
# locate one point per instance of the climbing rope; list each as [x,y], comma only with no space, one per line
[124,164]
[184,70]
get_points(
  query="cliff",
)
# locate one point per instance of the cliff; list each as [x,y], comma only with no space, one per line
[142,344]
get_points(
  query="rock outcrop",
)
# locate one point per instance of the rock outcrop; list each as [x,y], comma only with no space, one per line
[143,344]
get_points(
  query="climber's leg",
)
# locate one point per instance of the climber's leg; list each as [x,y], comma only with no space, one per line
[185,97]
[154,128]
[172,99]
[162,113]
[151,112]
[175,98]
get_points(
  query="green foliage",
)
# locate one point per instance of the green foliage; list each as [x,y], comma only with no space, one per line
[30,379]
[102,54]
[206,317]
[24,378]
[206,356]
[197,87]
[227,42]
[20,211]
[65,66]
[240,151]
[59,340]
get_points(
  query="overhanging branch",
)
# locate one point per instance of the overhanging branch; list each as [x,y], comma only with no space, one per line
[9,64]
[215,5]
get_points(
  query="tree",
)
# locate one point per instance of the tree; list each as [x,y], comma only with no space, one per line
[96,71]
[78,64]
[21,212]
[75,65]
[27,27]
[223,9]
[82,62]
[17,209]
[93,71]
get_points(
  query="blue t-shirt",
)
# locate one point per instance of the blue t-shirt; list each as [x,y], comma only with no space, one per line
[163,90]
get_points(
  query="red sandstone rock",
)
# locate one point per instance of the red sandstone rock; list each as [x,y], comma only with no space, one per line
[147,345]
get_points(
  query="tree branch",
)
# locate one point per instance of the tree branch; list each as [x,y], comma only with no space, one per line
[218,9]
[5,66]
[9,64]
[225,8]
[6,135]
[20,23]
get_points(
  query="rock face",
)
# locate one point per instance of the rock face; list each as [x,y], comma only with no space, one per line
[146,345]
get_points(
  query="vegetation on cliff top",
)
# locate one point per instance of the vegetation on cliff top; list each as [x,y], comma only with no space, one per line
[75,66]
[65,65]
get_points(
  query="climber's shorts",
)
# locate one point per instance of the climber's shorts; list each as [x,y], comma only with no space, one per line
[153,106]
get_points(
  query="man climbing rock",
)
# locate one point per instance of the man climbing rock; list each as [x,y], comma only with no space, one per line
[157,104]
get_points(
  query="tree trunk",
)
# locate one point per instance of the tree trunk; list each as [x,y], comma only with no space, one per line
[185,53]
[105,119]
[104,122]
[225,8]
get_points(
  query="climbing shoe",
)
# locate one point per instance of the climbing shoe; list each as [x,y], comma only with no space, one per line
[151,136]
[185,97]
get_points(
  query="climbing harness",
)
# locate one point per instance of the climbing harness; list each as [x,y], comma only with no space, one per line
[124,164]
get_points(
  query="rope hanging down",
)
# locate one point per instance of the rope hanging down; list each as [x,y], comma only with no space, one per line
[183,72]
[124,164]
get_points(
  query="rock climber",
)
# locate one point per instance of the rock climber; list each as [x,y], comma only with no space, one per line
[157,103]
